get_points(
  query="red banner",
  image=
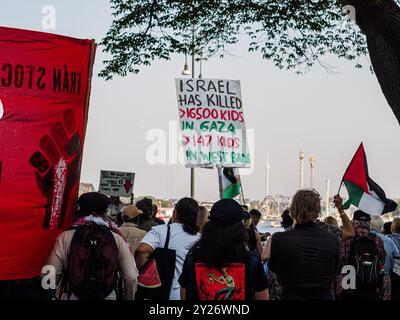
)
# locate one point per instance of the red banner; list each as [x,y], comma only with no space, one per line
[44,98]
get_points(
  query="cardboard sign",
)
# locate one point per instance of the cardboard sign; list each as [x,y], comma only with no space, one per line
[116,184]
[44,92]
[212,123]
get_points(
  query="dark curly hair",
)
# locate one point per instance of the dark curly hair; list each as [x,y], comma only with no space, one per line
[187,210]
[221,244]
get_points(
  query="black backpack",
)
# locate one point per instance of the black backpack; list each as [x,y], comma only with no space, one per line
[92,263]
[364,256]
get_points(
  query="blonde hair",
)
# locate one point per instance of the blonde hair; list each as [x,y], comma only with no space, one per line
[202,217]
[396,225]
[376,223]
[306,206]
[331,220]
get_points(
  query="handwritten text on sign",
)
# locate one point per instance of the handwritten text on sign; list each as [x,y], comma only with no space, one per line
[116,184]
[212,123]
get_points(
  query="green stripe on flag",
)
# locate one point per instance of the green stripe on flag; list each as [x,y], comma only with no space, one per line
[232,191]
[355,195]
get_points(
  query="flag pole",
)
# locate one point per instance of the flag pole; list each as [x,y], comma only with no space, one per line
[340,186]
[221,191]
[241,189]
[92,53]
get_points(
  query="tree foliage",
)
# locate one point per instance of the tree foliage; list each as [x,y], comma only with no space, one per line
[294,34]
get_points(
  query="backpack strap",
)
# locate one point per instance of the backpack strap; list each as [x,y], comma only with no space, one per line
[168,236]
[119,290]
[64,285]
[190,291]
[372,235]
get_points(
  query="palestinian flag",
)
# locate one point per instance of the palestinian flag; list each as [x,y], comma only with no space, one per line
[229,182]
[364,193]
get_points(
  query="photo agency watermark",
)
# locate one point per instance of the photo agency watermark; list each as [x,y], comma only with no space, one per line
[49,277]
[48,22]
[167,147]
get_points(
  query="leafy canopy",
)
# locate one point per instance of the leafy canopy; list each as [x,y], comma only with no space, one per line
[294,34]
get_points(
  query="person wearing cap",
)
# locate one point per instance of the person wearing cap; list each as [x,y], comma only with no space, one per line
[305,258]
[129,228]
[362,227]
[220,265]
[92,208]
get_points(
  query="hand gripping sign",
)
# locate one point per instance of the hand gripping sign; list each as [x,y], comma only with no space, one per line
[44,97]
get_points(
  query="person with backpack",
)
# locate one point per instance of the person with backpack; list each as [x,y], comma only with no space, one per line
[395,273]
[305,258]
[178,236]
[91,257]
[366,253]
[220,266]
[391,252]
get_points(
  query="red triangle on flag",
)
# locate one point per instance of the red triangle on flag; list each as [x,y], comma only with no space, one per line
[356,172]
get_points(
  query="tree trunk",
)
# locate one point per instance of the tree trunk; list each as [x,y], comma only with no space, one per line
[379,20]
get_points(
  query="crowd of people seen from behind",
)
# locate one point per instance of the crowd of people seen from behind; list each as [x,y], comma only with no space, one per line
[115,251]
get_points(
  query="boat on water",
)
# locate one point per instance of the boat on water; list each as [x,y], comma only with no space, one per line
[268,226]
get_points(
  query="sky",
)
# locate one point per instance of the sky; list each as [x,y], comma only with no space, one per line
[325,115]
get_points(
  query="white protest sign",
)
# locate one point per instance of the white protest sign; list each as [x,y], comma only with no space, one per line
[116,184]
[212,123]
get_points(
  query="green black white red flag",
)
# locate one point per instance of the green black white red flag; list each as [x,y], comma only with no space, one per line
[364,193]
[229,182]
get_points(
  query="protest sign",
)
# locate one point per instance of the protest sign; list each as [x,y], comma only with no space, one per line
[212,123]
[116,184]
[45,82]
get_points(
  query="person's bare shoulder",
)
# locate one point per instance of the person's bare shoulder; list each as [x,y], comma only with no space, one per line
[66,237]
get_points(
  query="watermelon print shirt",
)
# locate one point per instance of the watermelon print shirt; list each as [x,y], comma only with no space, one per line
[180,241]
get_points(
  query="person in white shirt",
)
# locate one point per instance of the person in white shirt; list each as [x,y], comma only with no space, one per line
[183,235]
[115,209]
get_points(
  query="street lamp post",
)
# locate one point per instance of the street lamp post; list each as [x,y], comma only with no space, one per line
[267,168]
[192,172]
[187,72]
[301,158]
[327,197]
[312,166]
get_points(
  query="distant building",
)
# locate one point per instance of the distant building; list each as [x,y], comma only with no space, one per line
[85,188]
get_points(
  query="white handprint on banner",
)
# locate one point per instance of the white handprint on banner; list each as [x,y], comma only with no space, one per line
[1,110]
